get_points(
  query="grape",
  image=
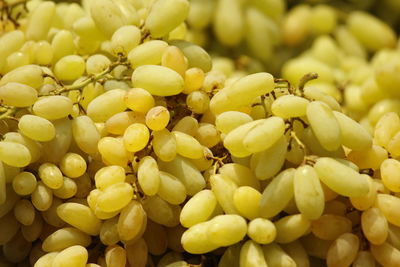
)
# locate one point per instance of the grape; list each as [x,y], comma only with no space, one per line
[72,213]
[163,81]
[51,175]
[330,227]
[246,201]
[198,209]
[386,35]
[157,118]
[43,16]
[76,255]
[229,24]
[31,75]
[331,172]
[164,16]
[106,105]
[277,194]
[343,250]
[308,192]
[97,63]
[25,97]
[125,39]
[276,256]
[148,53]
[261,230]
[107,16]
[69,68]
[138,99]
[63,45]
[64,238]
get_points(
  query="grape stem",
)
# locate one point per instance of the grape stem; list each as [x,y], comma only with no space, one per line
[92,78]
[305,79]
[10,111]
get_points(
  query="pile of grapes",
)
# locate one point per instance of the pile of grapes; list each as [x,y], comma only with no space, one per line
[201,133]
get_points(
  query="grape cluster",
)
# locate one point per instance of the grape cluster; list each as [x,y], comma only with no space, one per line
[125,143]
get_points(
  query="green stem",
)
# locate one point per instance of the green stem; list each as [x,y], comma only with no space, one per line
[93,78]
[8,113]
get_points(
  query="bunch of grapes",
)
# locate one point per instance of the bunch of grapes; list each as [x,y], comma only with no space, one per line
[124,143]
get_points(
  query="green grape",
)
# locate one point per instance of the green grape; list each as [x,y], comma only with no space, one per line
[136,137]
[53,107]
[64,238]
[125,39]
[197,57]
[158,80]
[324,125]
[198,208]
[15,60]
[72,256]
[107,16]
[40,21]
[164,16]
[43,53]
[194,78]
[225,230]
[385,35]
[198,101]
[386,254]
[164,145]
[187,125]
[323,19]
[186,172]
[132,221]
[187,146]
[276,256]
[14,154]
[18,94]
[308,192]
[106,105]
[229,120]
[330,226]
[63,45]
[262,231]
[260,45]
[277,194]
[33,146]
[118,123]
[252,255]
[229,23]
[290,228]
[289,106]
[364,258]
[246,201]
[148,53]
[97,63]
[195,240]
[374,226]
[140,100]
[31,75]
[73,214]
[51,175]
[161,212]
[174,59]
[10,42]
[115,256]
[42,197]
[24,212]
[331,172]
[267,163]
[9,227]
[157,118]
[343,250]
[171,189]
[69,68]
